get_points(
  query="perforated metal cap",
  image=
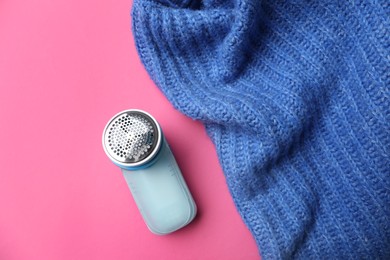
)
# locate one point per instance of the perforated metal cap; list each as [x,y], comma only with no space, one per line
[131,138]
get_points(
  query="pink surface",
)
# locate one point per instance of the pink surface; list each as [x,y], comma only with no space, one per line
[66,67]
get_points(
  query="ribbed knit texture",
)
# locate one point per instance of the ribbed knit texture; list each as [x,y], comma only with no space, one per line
[295,96]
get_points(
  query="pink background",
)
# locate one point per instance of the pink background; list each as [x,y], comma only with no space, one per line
[66,67]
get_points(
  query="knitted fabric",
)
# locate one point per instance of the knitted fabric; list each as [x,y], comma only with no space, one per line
[295,96]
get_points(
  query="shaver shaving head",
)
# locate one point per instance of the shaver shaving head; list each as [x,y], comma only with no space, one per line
[131,138]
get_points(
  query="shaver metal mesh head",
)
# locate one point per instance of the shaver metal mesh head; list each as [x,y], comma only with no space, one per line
[131,137]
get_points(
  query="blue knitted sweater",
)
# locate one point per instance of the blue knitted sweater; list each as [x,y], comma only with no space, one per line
[295,96]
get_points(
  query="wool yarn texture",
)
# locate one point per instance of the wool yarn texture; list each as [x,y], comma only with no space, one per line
[295,97]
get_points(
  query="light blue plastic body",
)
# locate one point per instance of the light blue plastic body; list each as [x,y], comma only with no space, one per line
[161,194]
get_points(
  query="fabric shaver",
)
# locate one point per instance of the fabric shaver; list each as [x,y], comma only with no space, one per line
[133,140]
